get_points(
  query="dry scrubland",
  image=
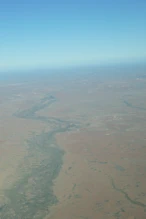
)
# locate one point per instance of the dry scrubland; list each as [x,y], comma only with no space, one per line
[73,148]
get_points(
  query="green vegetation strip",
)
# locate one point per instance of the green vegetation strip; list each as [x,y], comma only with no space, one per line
[126,195]
[30,113]
[32,194]
[132,106]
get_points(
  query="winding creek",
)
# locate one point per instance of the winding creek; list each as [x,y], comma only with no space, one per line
[132,201]
[32,193]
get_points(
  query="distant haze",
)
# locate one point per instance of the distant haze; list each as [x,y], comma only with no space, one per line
[105,71]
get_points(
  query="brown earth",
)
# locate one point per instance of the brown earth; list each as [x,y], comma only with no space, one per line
[104,167]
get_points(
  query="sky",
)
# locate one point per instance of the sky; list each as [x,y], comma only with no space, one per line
[55,33]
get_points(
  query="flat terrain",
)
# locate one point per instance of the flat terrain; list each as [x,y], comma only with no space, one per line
[73,146]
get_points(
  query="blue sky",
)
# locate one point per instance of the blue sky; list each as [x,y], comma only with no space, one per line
[41,33]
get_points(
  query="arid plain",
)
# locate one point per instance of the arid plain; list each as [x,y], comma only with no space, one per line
[73,146]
